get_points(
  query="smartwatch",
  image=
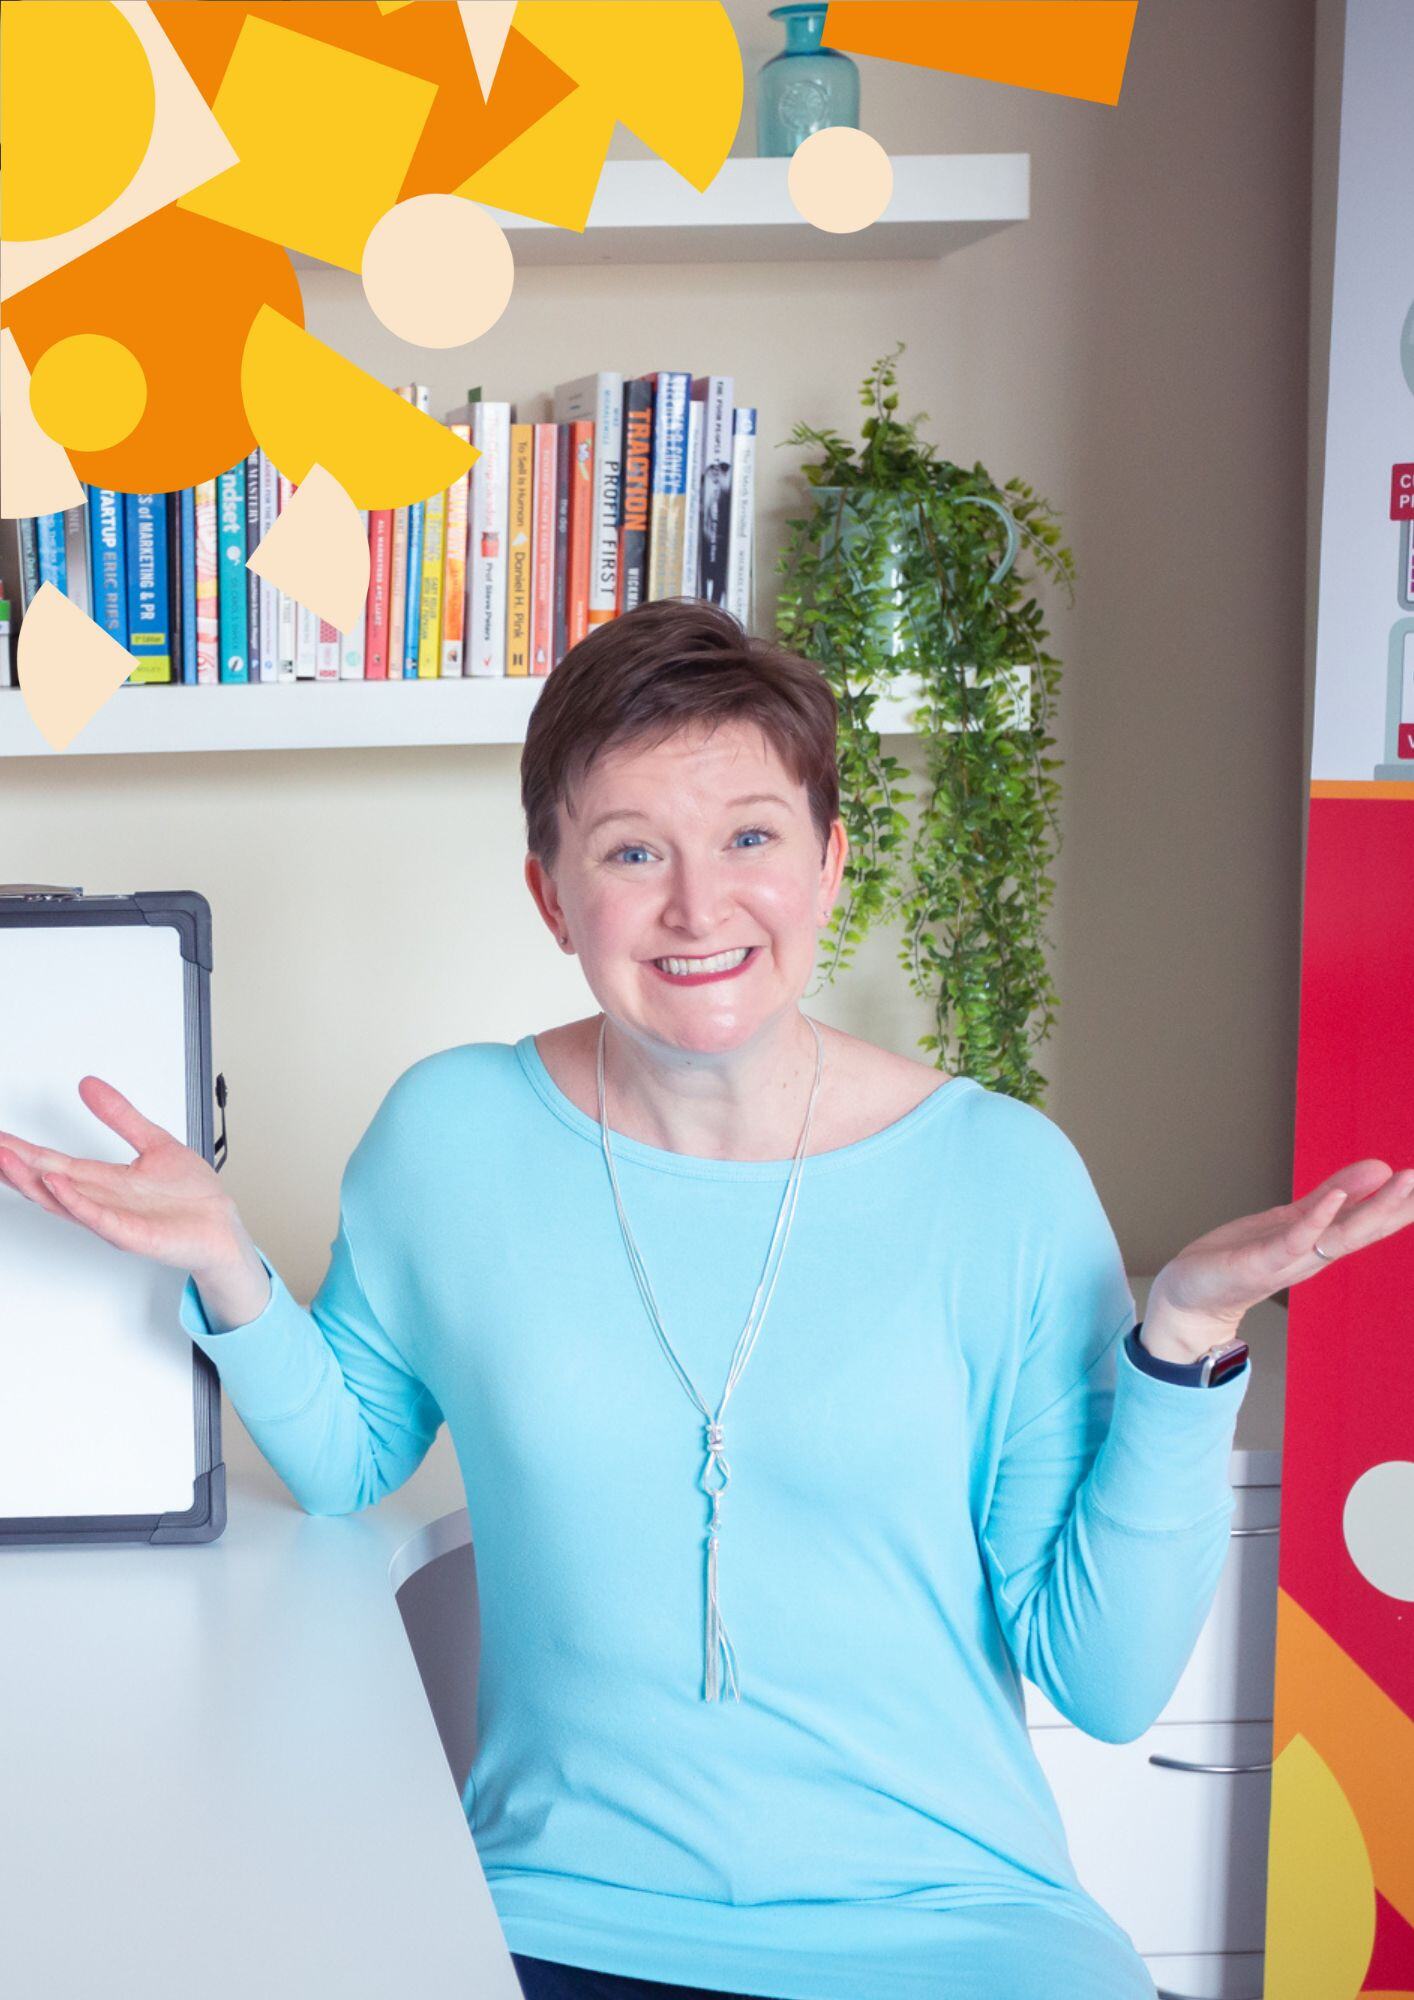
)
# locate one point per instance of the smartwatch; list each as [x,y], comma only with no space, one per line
[1218,1365]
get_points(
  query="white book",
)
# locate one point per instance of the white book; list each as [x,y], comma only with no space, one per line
[715,393]
[306,642]
[351,642]
[326,651]
[692,519]
[486,579]
[739,551]
[267,664]
[599,399]
[78,587]
[286,609]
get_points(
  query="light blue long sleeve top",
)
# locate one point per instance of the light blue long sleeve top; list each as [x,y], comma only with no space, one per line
[946,1473]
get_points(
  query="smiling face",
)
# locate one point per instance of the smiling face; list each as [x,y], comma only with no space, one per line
[701,847]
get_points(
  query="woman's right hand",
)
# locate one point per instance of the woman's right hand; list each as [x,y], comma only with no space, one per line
[167,1204]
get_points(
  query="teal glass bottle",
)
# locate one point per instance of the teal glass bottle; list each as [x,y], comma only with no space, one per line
[806,87]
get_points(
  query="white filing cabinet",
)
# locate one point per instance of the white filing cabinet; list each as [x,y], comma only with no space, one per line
[1169,1832]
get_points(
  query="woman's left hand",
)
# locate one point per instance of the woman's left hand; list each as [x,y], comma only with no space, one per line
[1201,1295]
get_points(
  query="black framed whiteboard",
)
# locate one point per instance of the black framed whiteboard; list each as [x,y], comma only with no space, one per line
[110,1417]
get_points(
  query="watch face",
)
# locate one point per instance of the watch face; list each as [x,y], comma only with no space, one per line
[1225,1361]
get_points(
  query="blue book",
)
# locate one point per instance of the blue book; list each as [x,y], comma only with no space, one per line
[413,621]
[145,530]
[230,572]
[108,562]
[188,575]
[53,564]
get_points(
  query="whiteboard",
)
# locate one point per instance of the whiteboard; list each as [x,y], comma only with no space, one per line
[96,1388]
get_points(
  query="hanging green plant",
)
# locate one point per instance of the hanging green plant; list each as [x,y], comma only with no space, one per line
[909,565]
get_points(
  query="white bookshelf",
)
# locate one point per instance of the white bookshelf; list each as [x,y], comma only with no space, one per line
[308,715]
[644,212]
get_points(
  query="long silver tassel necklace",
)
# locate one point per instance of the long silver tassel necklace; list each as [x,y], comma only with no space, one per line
[716,1472]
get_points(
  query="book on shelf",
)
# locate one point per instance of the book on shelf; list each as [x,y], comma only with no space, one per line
[599,400]
[635,488]
[454,586]
[149,638]
[559,644]
[581,530]
[743,521]
[108,563]
[487,583]
[542,547]
[230,572]
[714,393]
[637,492]
[208,610]
[519,526]
[668,482]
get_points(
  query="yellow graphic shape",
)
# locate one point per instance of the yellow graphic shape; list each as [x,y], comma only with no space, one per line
[317,551]
[186,147]
[1320,1891]
[1364,1736]
[68,666]
[308,406]
[35,475]
[486,23]
[628,59]
[840,179]
[76,110]
[437,270]
[88,391]
[324,138]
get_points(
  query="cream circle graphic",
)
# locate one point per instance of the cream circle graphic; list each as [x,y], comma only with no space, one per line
[437,270]
[840,179]
[1378,1525]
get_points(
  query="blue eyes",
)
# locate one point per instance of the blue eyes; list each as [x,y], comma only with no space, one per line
[760,832]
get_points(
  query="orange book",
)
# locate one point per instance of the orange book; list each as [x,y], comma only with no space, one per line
[581,527]
[542,542]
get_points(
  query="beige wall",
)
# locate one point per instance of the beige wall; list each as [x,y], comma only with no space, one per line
[1138,351]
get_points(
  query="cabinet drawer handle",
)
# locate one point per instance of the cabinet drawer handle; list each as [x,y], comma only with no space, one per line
[1226,1770]
[1275,1529]
[1167,1993]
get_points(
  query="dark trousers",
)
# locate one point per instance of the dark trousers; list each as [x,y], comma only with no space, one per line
[544,1979]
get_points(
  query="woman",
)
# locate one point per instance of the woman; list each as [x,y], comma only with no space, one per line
[767,1740]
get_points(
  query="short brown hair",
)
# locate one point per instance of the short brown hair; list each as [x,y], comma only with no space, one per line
[667,664]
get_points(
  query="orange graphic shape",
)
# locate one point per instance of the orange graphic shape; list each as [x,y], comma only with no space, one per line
[309,406]
[1365,1738]
[1072,48]
[35,474]
[324,139]
[69,667]
[462,129]
[317,551]
[180,293]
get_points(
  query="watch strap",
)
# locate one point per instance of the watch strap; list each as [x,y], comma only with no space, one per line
[1209,1371]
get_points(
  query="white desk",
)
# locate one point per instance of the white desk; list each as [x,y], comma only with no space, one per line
[219,1776]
